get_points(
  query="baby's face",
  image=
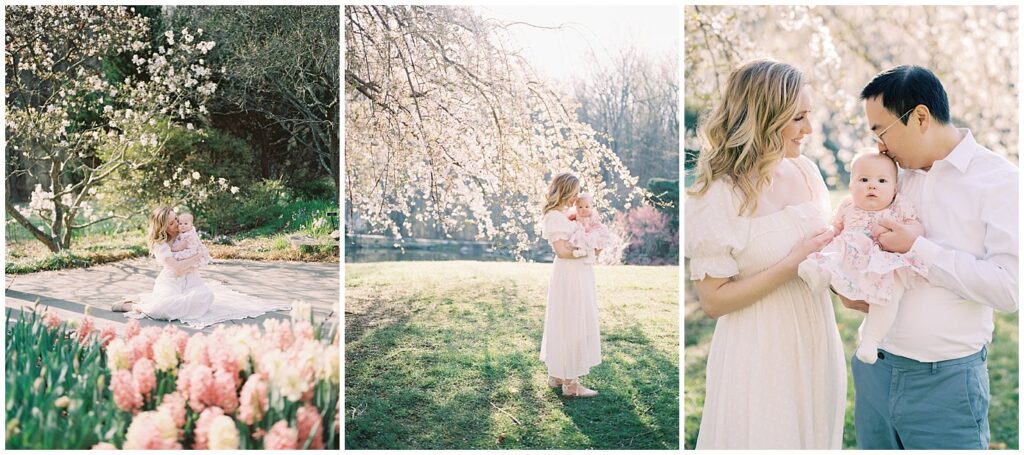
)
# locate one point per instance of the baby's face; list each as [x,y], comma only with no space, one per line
[873,182]
[185,223]
[583,206]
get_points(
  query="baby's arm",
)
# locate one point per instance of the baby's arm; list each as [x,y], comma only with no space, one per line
[837,222]
[190,246]
[178,246]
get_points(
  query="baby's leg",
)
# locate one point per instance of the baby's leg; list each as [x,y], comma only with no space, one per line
[877,323]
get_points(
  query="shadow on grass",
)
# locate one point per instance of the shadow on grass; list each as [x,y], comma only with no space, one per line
[446,373]
[639,403]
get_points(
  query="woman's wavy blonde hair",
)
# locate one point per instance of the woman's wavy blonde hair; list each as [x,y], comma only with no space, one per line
[742,137]
[563,188]
[159,219]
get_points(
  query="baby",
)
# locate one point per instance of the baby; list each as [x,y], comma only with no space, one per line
[590,233]
[853,263]
[187,243]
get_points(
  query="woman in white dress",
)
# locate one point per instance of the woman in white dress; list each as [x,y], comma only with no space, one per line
[776,377]
[180,293]
[572,338]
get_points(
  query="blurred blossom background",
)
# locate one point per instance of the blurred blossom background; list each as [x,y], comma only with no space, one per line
[973,51]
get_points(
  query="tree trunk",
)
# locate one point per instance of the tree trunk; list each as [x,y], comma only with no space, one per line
[50,242]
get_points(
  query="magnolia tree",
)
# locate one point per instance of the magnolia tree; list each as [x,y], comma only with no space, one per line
[447,127]
[71,125]
[973,51]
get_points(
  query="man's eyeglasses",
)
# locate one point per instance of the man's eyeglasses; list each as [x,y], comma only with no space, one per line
[878,137]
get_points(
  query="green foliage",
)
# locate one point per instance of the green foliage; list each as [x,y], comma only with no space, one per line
[308,185]
[220,160]
[43,364]
[107,245]
[290,216]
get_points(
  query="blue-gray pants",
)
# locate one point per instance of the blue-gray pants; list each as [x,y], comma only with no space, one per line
[901,403]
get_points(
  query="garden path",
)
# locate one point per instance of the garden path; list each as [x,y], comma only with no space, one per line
[69,291]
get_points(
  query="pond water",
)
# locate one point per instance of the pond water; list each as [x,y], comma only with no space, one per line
[369,254]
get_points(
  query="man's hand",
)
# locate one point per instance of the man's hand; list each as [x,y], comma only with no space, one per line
[897,237]
[858,305]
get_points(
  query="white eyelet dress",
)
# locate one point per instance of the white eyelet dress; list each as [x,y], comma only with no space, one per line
[572,337]
[776,375]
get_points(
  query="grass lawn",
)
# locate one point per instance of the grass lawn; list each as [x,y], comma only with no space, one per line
[444,355]
[113,241]
[1002,366]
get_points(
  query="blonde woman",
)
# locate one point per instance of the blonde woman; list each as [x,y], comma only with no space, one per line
[572,337]
[179,292]
[775,371]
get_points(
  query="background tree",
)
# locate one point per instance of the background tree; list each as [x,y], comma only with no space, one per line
[633,102]
[973,50]
[280,73]
[447,127]
[72,123]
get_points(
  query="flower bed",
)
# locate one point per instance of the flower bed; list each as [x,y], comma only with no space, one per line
[70,386]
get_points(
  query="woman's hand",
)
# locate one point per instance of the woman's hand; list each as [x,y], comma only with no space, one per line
[563,249]
[807,246]
[182,267]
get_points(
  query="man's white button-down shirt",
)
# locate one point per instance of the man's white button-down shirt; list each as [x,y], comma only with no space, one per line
[967,203]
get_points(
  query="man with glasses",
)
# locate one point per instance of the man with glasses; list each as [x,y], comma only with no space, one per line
[929,388]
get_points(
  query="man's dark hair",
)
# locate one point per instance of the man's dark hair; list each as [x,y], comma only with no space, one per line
[904,87]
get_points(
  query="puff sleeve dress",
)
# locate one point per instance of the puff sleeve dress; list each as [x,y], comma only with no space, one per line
[776,376]
[571,344]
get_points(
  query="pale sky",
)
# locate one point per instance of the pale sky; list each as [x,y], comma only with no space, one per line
[561,54]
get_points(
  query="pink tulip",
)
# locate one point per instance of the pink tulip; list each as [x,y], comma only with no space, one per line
[174,405]
[144,375]
[51,319]
[202,432]
[254,400]
[151,430]
[87,328]
[131,329]
[308,420]
[281,437]
[107,335]
[224,391]
[126,393]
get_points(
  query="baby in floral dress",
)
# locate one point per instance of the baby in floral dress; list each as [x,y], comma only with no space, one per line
[590,234]
[187,243]
[854,264]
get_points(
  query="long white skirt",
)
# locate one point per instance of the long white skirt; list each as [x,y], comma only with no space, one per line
[776,375]
[198,304]
[572,337]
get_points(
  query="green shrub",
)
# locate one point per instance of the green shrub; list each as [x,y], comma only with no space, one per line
[309,186]
[195,169]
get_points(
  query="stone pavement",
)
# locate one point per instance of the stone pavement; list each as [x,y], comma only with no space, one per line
[69,291]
